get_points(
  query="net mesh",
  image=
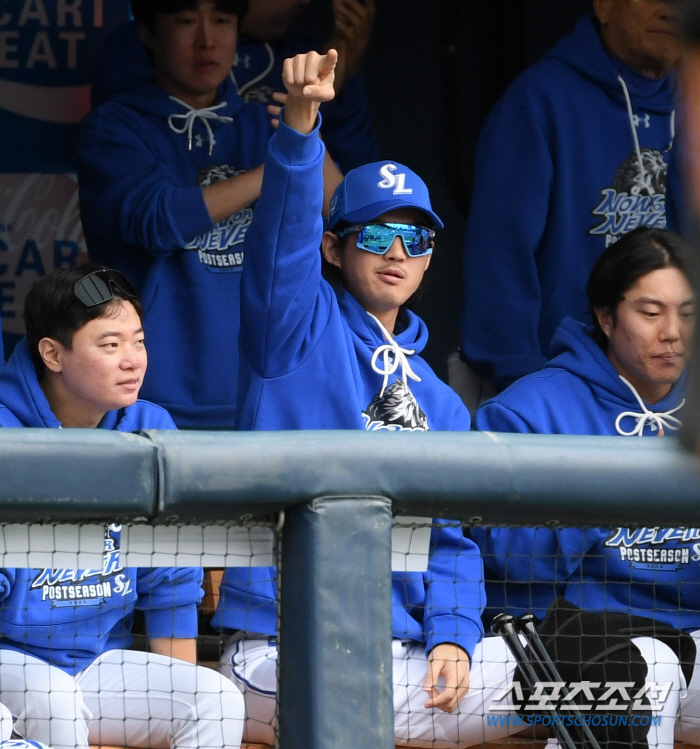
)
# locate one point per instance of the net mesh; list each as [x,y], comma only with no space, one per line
[598,636]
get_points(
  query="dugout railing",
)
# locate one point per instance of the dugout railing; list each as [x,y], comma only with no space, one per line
[332,497]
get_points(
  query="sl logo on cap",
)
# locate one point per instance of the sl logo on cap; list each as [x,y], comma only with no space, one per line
[398,181]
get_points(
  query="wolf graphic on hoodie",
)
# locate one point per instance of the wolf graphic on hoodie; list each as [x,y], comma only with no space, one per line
[578,152]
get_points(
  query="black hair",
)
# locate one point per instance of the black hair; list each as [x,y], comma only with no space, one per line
[52,310]
[145,11]
[334,275]
[622,264]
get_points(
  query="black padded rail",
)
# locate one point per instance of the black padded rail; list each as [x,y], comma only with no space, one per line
[76,474]
[499,478]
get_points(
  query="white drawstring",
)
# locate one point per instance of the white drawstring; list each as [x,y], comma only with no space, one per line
[390,366]
[641,178]
[206,114]
[660,420]
[243,89]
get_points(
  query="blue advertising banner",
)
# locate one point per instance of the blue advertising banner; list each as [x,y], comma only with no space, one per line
[46,50]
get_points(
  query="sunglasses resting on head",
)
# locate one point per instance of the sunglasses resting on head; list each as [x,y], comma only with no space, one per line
[97,287]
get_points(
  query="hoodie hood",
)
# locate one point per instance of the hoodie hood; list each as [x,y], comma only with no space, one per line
[575,351]
[124,74]
[21,395]
[580,392]
[413,334]
[148,98]
[23,403]
[583,50]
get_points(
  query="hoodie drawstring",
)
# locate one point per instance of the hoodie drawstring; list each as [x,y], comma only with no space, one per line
[246,86]
[390,366]
[206,114]
[660,420]
[641,179]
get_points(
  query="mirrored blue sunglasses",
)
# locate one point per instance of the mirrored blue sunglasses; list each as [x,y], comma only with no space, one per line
[377,238]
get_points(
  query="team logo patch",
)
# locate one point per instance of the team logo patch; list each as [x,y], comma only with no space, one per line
[637,197]
[395,181]
[221,249]
[73,587]
[259,95]
[395,410]
[661,549]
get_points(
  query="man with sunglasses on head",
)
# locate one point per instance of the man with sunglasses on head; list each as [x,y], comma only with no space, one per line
[328,342]
[66,672]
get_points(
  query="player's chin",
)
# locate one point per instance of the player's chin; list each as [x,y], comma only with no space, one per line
[124,400]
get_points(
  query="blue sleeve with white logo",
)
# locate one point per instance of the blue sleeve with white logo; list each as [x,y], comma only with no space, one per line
[169,597]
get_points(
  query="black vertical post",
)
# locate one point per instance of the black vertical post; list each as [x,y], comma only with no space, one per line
[335,685]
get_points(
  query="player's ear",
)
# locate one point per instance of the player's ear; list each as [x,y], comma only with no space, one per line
[602,9]
[428,258]
[146,36]
[50,353]
[605,320]
[331,248]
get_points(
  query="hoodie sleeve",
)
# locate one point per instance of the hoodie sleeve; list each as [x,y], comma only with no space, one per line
[169,597]
[495,417]
[455,596]
[126,192]
[520,556]
[284,304]
[502,295]
[247,600]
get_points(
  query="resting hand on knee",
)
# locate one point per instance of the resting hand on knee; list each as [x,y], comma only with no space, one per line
[452,663]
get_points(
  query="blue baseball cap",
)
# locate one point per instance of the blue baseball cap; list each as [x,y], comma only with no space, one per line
[373,189]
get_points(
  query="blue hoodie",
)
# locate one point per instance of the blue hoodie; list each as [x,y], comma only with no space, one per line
[306,363]
[557,180]
[649,572]
[143,213]
[257,73]
[68,617]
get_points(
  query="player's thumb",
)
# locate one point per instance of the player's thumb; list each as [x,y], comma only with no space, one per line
[431,677]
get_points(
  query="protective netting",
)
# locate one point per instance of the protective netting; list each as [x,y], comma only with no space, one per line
[508,635]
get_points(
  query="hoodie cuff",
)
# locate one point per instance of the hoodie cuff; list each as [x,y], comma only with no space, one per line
[292,147]
[180,622]
[457,630]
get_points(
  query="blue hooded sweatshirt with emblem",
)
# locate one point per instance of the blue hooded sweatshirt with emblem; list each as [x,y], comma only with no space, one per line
[557,180]
[144,157]
[68,617]
[257,73]
[313,358]
[648,571]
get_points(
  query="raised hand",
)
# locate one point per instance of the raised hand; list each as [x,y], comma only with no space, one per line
[310,75]
[309,81]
